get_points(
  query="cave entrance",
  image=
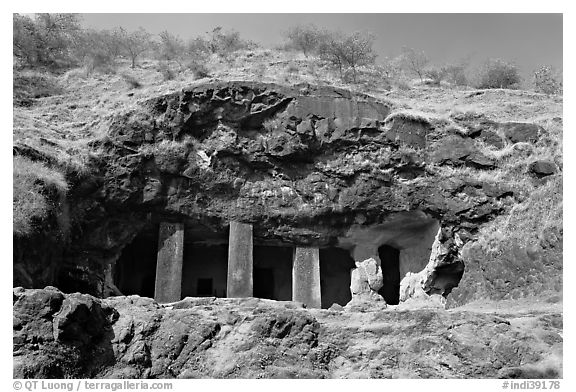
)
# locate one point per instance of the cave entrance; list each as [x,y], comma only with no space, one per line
[390,264]
[264,283]
[205,270]
[445,278]
[272,274]
[135,269]
[335,266]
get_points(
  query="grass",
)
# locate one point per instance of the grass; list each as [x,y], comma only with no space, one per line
[132,81]
[168,148]
[528,220]
[31,85]
[31,182]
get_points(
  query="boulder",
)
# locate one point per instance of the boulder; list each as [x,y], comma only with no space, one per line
[518,132]
[81,319]
[542,168]
[366,280]
[491,138]
[366,277]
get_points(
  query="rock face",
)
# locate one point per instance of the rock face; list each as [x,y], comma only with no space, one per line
[60,335]
[305,165]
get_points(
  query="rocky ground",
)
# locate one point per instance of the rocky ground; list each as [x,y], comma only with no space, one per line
[60,335]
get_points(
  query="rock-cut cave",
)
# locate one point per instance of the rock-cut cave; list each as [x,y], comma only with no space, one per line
[402,246]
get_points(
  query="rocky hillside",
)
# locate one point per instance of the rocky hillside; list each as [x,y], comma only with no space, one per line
[289,156]
[309,162]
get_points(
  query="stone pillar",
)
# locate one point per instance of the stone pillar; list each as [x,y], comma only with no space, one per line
[169,263]
[239,283]
[306,277]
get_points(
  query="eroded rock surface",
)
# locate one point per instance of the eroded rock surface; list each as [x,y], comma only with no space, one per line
[303,164]
[366,280]
[60,335]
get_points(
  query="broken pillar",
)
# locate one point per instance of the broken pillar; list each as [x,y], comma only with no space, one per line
[306,277]
[168,286]
[240,281]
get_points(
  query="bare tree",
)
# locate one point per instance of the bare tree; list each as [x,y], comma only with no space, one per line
[391,68]
[415,61]
[305,38]
[351,51]
[226,42]
[97,49]
[133,43]
[172,48]
[456,74]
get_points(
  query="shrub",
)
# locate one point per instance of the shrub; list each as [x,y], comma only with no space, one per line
[171,48]
[97,50]
[497,73]
[435,74]
[402,84]
[197,48]
[390,69]
[199,69]
[305,38]
[166,71]
[546,81]
[226,42]
[348,52]
[456,74]
[45,40]
[29,85]
[131,80]
[100,62]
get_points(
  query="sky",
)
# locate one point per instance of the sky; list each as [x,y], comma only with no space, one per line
[529,40]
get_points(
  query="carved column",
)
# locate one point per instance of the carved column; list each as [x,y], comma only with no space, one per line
[240,283]
[306,277]
[169,262]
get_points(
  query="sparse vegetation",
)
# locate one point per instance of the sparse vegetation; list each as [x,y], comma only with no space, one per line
[30,85]
[131,81]
[305,38]
[226,42]
[391,69]
[172,48]
[348,52]
[31,183]
[133,43]
[98,50]
[166,71]
[435,75]
[547,81]
[199,69]
[415,61]
[45,40]
[455,74]
[497,73]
